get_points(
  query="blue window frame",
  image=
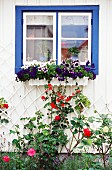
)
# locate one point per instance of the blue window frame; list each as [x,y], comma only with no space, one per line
[20,10]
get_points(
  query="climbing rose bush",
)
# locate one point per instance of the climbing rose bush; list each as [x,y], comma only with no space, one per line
[49,139]
[45,140]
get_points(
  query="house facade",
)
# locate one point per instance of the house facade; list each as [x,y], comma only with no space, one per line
[29,29]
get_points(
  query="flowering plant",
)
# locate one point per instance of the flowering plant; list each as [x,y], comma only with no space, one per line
[102,138]
[40,145]
[3,106]
[67,69]
[45,141]
[3,103]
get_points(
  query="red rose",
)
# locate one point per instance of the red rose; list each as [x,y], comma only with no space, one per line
[31,152]
[43,97]
[58,100]
[5,105]
[62,104]
[87,132]
[58,93]
[78,91]
[50,87]
[6,158]
[57,118]
[62,97]
[53,105]
[68,98]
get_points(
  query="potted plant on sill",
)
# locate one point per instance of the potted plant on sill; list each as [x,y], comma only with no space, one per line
[73,51]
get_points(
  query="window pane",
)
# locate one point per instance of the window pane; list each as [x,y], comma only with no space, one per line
[77,49]
[39,26]
[40,50]
[74,26]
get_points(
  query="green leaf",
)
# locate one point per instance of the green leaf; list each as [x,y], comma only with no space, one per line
[12,132]
[45,132]
[33,119]
[91,119]
[46,105]
[25,118]
[15,141]
[89,141]
[80,147]
[28,137]
[110,159]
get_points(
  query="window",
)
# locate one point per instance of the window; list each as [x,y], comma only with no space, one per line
[74,34]
[57,32]
[39,37]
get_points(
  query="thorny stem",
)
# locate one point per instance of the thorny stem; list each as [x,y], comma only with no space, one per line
[103,156]
[104,163]
[71,143]
[76,144]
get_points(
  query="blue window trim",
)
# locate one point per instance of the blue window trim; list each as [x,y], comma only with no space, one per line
[94,9]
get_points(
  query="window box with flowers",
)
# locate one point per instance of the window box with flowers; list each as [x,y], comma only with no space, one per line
[69,72]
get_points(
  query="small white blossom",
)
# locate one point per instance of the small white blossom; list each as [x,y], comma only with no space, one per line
[105,129]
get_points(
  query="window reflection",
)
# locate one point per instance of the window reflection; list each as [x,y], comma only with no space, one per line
[82,46]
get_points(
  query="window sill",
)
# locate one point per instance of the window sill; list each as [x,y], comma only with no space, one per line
[56,82]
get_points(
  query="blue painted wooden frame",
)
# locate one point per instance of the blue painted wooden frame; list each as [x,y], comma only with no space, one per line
[94,9]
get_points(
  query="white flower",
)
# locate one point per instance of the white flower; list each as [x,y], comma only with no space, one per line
[105,129]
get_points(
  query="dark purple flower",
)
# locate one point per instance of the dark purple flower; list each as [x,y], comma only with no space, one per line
[61,78]
[79,74]
[87,69]
[92,65]
[63,62]
[94,75]
[58,70]
[73,75]
[32,74]
[76,64]
[39,69]
[65,73]
[67,65]
[72,66]
[87,63]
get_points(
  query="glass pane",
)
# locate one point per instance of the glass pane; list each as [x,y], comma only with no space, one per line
[77,49]
[39,26]
[40,50]
[74,26]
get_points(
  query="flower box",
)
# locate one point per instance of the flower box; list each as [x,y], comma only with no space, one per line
[56,82]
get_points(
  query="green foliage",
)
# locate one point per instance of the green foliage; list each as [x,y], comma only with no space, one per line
[84,162]
[3,120]
[73,51]
[49,139]
[2,101]
[102,137]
